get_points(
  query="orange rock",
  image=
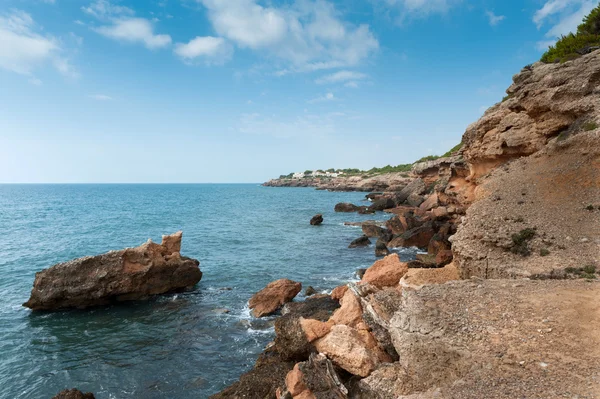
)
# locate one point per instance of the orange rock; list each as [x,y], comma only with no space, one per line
[430,203]
[417,278]
[439,212]
[386,272]
[346,348]
[315,329]
[338,292]
[273,296]
[350,313]
[172,243]
[294,381]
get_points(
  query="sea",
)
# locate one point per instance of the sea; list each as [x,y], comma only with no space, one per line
[172,346]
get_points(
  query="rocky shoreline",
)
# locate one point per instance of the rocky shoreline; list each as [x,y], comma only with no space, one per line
[504,304]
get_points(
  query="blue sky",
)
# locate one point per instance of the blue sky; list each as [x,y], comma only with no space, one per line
[245,90]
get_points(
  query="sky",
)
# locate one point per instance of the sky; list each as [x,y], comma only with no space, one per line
[192,91]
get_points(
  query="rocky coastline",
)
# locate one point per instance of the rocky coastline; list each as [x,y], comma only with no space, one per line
[504,303]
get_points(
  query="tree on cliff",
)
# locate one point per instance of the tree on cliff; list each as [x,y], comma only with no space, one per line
[572,45]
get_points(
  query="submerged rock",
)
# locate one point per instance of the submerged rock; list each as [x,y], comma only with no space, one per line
[316,220]
[273,296]
[125,275]
[73,394]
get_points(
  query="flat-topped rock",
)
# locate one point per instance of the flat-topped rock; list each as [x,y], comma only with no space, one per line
[125,275]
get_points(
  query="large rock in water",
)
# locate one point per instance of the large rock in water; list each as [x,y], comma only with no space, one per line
[125,275]
[316,220]
[268,300]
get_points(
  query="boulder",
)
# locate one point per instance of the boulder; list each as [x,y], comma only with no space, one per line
[338,292]
[417,187]
[316,220]
[273,296]
[417,237]
[430,203]
[415,199]
[360,272]
[382,204]
[73,394]
[439,242]
[360,242]
[381,248]
[301,324]
[386,272]
[353,350]
[315,378]
[372,230]
[309,291]
[129,274]
[365,210]
[345,207]
[350,311]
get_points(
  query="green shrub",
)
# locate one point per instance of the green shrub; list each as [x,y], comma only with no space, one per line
[588,34]
[508,96]
[521,242]
[544,252]
[588,126]
[589,269]
[453,150]
[428,158]
[566,47]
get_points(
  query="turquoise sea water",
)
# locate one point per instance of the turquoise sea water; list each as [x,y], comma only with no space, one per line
[172,346]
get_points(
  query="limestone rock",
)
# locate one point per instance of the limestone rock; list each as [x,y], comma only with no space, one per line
[416,278]
[273,296]
[338,292]
[386,272]
[128,274]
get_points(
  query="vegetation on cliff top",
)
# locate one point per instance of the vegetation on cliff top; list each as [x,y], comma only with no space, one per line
[402,168]
[570,46]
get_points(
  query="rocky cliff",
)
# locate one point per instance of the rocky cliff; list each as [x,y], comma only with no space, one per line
[516,311]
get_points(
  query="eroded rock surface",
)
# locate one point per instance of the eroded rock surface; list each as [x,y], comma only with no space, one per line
[125,275]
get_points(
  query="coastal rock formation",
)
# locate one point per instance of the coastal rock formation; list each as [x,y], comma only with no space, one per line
[544,101]
[493,339]
[125,275]
[386,272]
[268,300]
[381,248]
[345,207]
[373,230]
[314,378]
[316,220]
[531,218]
[362,241]
[73,394]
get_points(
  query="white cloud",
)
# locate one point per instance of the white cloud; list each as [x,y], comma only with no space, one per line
[306,36]
[493,18]
[104,9]
[212,50]
[134,30]
[35,81]
[341,76]
[329,96]
[22,49]
[352,85]
[563,16]
[100,97]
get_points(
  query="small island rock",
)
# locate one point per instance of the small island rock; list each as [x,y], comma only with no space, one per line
[125,275]
[360,242]
[316,220]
